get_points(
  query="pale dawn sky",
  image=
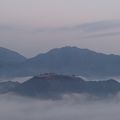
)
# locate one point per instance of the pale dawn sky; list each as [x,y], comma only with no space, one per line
[35,26]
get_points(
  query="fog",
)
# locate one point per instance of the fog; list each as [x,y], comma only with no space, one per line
[14,79]
[72,107]
[23,79]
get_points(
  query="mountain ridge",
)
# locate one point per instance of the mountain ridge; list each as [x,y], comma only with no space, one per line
[73,60]
[55,86]
[7,55]
[67,60]
[52,85]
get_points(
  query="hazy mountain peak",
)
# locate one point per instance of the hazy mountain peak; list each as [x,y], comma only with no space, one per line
[7,55]
[73,60]
[54,85]
[70,49]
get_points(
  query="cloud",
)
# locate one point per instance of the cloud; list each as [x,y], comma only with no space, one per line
[86,27]
[103,35]
[98,26]
[86,30]
[71,107]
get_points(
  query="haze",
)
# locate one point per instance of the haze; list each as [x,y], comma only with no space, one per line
[34,26]
[71,107]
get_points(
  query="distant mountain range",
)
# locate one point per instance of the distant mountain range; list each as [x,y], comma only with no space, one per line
[9,61]
[66,60]
[54,86]
[10,57]
[9,86]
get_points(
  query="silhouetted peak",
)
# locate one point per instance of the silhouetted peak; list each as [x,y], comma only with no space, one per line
[7,55]
[112,81]
[70,49]
[55,76]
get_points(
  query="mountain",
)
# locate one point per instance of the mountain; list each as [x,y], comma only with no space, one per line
[73,60]
[65,60]
[51,85]
[9,61]
[6,87]
[9,56]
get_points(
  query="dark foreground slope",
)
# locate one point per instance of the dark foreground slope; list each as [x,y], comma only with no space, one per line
[54,86]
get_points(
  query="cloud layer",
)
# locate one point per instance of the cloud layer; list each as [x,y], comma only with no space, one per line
[71,107]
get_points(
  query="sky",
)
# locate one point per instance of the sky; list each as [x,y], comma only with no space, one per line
[31,27]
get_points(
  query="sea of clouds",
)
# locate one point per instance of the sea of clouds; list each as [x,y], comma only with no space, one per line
[71,107]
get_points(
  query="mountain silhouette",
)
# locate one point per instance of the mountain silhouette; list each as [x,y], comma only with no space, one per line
[65,60]
[73,60]
[9,56]
[51,85]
